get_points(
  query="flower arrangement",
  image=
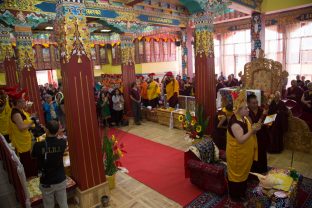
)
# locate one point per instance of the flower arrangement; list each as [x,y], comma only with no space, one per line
[113,151]
[195,126]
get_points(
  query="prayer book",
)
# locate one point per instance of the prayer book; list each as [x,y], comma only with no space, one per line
[269,119]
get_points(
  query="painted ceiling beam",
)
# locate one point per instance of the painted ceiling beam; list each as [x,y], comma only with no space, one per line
[241,8]
[133,2]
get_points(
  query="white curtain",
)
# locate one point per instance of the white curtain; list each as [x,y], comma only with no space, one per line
[299,49]
[235,49]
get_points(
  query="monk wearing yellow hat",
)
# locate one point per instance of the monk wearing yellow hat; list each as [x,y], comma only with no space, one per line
[172,89]
[241,147]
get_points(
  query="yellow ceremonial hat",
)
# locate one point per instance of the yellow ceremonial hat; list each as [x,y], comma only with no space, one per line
[239,99]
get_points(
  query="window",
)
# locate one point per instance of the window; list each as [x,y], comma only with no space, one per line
[217,56]
[274,43]
[299,50]
[234,52]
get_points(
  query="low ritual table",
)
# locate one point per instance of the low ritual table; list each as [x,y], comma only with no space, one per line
[266,198]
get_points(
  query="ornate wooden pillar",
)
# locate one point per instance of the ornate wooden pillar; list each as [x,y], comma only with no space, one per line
[184,51]
[83,135]
[257,34]
[27,73]
[7,57]
[189,38]
[127,68]
[205,92]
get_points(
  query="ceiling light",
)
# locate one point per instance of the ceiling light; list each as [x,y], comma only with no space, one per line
[105,30]
[49,28]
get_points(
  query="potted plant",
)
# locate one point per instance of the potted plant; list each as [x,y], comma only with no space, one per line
[112,153]
[195,125]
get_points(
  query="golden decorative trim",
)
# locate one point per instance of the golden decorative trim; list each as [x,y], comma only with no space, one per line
[264,74]
[204,43]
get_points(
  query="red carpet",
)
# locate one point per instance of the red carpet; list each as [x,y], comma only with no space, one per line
[157,166]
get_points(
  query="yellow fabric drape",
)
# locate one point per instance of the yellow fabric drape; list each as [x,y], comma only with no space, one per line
[153,90]
[5,116]
[21,140]
[171,88]
[240,156]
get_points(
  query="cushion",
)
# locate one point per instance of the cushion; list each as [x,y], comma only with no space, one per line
[206,151]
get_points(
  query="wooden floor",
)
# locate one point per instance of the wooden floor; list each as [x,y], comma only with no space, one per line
[130,193]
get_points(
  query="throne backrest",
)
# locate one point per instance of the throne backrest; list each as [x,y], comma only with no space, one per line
[264,74]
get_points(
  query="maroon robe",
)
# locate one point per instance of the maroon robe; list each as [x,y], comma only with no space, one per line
[307,112]
[219,134]
[278,128]
[260,166]
[295,93]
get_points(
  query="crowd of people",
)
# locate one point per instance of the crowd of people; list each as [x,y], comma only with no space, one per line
[39,158]
[240,131]
[145,92]
[239,126]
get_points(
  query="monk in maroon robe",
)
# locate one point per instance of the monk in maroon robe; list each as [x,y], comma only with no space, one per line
[279,126]
[257,115]
[307,105]
[294,92]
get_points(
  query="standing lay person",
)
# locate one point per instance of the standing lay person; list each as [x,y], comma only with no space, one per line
[21,138]
[118,106]
[136,103]
[59,99]
[103,105]
[50,108]
[241,148]
[280,126]
[49,154]
[172,90]
[257,115]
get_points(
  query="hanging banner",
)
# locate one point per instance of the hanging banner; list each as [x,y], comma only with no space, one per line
[101,13]
[158,20]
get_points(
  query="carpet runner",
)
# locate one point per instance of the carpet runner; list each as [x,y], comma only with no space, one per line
[158,166]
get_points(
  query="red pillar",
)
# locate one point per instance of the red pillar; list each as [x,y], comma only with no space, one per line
[10,71]
[82,128]
[27,73]
[205,92]
[127,68]
[29,79]
[189,39]
[85,152]
[7,57]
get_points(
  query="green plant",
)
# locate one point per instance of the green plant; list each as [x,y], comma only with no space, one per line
[195,126]
[112,152]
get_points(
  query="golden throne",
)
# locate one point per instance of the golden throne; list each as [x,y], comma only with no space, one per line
[264,74]
[268,76]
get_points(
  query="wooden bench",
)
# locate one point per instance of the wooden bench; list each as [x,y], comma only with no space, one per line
[26,190]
